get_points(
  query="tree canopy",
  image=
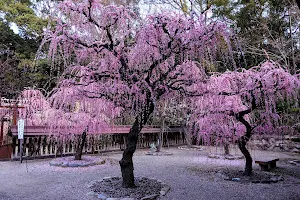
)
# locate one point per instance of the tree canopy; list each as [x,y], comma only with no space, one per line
[111,55]
[240,103]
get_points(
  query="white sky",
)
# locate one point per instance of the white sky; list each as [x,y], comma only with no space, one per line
[146,7]
[14,27]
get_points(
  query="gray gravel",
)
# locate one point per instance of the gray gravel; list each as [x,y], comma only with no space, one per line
[112,187]
[191,175]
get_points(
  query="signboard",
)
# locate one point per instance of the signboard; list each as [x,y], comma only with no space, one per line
[21,129]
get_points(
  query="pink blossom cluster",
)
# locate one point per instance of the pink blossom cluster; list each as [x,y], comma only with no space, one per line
[65,112]
[118,63]
[118,57]
[232,92]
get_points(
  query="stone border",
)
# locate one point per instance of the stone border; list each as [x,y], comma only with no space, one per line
[272,178]
[227,157]
[161,153]
[164,190]
[193,147]
[70,162]
[294,162]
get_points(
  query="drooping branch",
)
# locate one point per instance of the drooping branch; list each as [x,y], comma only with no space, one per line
[240,117]
[298,3]
[159,62]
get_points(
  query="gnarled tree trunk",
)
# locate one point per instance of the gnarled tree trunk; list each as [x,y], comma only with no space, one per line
[242,146]
[226,148]
[161,135]
[298,3]
[126,163]
[244,139]
[81,142]
[187,135]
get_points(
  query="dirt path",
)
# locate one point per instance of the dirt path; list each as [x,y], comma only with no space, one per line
[190,173]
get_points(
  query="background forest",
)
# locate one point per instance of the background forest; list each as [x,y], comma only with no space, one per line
[265,29]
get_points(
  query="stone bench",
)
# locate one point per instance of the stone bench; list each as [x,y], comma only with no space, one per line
[267,165]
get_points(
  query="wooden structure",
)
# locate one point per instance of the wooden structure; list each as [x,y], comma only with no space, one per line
[9,113]
[38,143]
[267,165]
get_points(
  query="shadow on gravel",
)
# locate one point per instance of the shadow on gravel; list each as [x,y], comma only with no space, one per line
[4,196]
[111,187]
[283,174]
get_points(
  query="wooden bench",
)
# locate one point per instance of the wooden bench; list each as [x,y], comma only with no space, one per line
[267,165]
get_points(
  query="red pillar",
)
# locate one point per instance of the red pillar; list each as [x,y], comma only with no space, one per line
[1,131]
[15,116]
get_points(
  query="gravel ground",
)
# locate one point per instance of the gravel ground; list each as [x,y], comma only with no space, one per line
[112,187]
[191,175]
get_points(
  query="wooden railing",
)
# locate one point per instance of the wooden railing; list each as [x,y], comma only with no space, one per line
[39,143]
[42,130]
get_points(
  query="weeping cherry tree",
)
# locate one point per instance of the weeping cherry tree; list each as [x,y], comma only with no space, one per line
[240,103]
[66,114]
[111,55]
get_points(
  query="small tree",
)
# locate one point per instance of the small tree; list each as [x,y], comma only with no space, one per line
[211,119]
[168,112]
[64,113]
[248,98]
[111,55]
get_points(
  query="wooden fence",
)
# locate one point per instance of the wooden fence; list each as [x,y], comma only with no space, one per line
[37,143]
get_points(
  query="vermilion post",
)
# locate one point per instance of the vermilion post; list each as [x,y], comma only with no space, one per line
[1,131]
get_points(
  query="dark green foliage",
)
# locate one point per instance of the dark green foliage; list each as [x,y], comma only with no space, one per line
[17,51]
[266,29]
[21,13]
[295,139]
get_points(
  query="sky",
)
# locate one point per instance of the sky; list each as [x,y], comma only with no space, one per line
[14,27]
[146,7]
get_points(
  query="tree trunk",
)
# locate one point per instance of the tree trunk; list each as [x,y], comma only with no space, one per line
[161,135]
[242,146]
[187,136]
[244,139]
[81,142]
[298,3]
[126,163]
[226,147]
[59,151]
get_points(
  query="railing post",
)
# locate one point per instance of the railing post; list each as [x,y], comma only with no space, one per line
[63,147]
[46,145]
[55,148]
[17,148]
[26,145]
[50,146]
[72,142]
[41,148]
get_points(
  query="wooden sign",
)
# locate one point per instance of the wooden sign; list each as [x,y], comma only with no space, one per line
[20,129]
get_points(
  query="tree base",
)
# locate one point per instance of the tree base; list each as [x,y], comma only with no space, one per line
[110,187]
[127,174]
[242,146]
[77,157]
[247,173]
